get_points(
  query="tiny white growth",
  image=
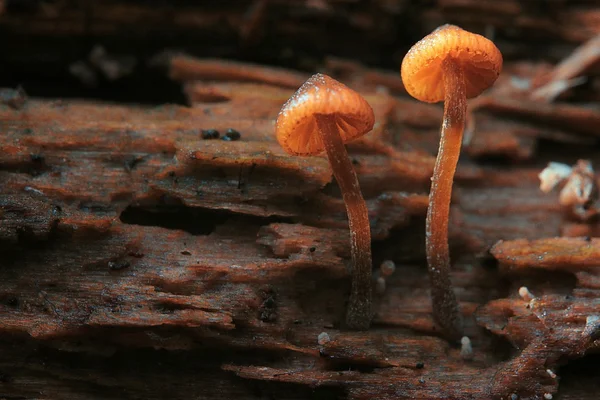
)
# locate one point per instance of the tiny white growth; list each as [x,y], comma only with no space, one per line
[592,325]
[592,320]
[547,396]
[526,294]
[466,349]
[323,338]
[380,285]
[552,175]
[579,189]
[387,267]
[34,190]
[573,191]
[551,373]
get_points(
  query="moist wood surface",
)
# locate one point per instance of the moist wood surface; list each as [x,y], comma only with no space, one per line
[139,261]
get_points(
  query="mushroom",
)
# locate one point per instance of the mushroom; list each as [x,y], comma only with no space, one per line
[321,116]
[450,65]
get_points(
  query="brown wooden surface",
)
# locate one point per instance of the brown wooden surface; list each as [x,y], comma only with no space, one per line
[139,261]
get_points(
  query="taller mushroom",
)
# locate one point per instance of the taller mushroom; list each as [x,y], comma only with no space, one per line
[450,65]
[321,116]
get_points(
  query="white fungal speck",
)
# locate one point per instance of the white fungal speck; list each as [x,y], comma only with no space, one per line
[466,349]
[34,190]
[387,267]
[526,294]
[552,175]
[323,338]
[592,325]
[380,285]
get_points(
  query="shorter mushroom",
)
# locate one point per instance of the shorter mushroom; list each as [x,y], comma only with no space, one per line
[449,65]
[321,116]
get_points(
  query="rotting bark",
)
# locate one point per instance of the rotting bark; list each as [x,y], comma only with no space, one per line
[140,261]
[262,266]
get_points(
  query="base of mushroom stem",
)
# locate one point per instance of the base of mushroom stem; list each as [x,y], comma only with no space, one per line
[449,320]
[358,317]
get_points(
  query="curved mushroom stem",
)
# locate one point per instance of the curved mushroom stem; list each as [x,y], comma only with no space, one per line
[445,306]
[359,308]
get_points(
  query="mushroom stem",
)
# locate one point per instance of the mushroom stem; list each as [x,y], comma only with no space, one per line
[359,308]
[445,306]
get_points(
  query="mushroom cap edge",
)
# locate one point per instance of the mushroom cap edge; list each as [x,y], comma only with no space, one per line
[421,68]
[296,127]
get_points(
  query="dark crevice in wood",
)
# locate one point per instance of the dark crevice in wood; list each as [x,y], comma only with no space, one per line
[194,220]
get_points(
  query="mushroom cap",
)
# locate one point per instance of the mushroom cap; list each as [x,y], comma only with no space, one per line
[422,67]
[296,128]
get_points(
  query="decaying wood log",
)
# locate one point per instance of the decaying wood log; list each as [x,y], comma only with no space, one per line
[139,259]
[207,246]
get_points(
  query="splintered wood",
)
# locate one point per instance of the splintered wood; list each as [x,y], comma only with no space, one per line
[165,265]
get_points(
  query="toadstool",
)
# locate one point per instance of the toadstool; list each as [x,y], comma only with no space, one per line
[449,65]
[321,116]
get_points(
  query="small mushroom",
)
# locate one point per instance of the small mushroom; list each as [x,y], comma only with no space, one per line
[525,293]
[466,348]
[449,65]
[321,116]
[380,285]
[387,268]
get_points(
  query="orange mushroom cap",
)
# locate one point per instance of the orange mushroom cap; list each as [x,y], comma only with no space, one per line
[422,67]
[296,128]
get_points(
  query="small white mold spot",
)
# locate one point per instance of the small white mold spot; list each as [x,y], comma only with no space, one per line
[323,338]
[380,285]
[387,267]
[466,349]
[526,294]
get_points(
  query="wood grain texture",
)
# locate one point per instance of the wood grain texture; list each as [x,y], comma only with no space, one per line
[140,261]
